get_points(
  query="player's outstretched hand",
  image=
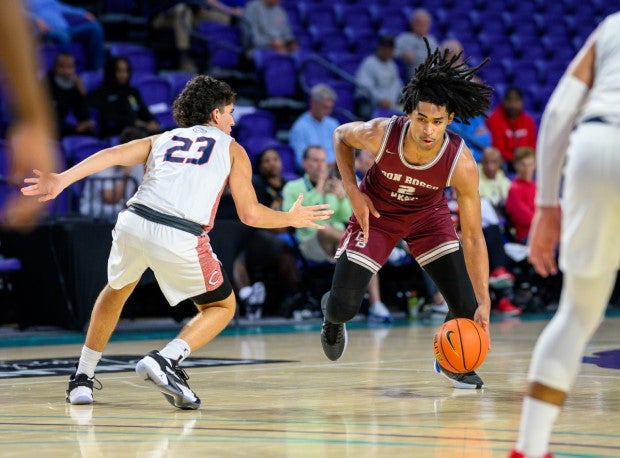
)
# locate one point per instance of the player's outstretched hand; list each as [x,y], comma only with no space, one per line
[45,185]
[306,216]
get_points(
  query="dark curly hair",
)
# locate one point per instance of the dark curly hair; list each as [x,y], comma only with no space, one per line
[444,82]
[201,95]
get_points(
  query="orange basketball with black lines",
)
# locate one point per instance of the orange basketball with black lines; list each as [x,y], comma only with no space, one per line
[460,345]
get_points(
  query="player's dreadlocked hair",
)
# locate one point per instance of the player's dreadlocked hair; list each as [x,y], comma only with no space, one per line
[441,81]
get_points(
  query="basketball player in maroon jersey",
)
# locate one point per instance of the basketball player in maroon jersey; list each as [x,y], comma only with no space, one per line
[402,197]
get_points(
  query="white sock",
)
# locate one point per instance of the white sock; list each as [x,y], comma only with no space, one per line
[245,292]
[537,419]
[176,350]
[88,361]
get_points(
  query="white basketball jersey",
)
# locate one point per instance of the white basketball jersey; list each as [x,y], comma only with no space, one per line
[186,173]
[604,97]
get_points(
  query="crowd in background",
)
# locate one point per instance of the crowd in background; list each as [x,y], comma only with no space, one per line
[111,89]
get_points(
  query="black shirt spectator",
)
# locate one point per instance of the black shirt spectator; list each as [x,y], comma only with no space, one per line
[69,97]
[119,103]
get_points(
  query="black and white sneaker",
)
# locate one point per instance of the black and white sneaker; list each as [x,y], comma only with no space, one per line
[333,336]
[468,381]
[334,339]
[80,390]
[168,378]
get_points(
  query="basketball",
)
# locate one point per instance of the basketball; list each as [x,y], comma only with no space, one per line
[460,345]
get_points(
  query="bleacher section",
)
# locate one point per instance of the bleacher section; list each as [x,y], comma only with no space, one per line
[530,43]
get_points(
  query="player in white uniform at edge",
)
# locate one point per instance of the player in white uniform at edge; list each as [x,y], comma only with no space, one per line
[589,95]
[166,228]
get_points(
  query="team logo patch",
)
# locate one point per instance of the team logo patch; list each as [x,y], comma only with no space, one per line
[46,367]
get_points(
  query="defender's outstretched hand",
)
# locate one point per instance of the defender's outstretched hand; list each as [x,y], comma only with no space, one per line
[305,216]
[45,185]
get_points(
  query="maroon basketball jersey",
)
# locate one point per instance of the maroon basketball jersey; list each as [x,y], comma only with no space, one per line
[398,188]
[411,200]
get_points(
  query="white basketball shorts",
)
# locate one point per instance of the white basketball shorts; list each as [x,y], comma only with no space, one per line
[184,264]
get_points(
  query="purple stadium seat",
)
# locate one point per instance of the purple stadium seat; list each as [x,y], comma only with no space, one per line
[312,72]
[391,20]
[346,94]
[91,79]
[385,113]
[77,147]
[355,15]
[177,81]
[155,91]
[260,123]
[361,41]
[142,59]
[223,43]
[255,145]
[321,13]
[327,40]
[279,73]
[346,61]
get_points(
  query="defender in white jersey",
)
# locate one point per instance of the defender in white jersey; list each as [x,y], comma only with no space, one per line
[588,95]
[166,227]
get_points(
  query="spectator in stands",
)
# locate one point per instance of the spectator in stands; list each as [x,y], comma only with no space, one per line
[106,193]
[268,27]
[377,310]
[224,11]
[316,126]
[520,200]
[120,104]
[364,160]
[501,280]
[319,184]
[511,126]
[268,258]
[475,132]
[179,18]
[494,184]
[69,97]
[65,24]
[410,47]
[379,79]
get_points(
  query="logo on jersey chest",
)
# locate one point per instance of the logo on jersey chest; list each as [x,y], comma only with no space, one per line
[406,190]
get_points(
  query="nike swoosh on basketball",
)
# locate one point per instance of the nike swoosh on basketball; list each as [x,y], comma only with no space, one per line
[449,339]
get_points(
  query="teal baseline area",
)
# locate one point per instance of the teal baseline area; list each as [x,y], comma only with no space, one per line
[64,337]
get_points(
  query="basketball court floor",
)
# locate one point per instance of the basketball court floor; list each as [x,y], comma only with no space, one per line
[270,392]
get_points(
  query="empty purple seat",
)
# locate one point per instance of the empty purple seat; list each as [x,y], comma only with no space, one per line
[355,15]
[259,123]
[142,59]
[156,92]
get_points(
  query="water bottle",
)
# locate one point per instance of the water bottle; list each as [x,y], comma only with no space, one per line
[413,302]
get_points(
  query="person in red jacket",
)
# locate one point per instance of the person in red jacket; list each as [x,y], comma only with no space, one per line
[520,200]
[511,126]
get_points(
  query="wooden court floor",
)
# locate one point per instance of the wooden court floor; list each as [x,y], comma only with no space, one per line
[382,399]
